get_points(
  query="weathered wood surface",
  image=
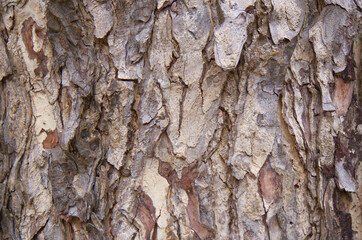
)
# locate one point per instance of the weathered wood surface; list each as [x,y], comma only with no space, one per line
[187,119]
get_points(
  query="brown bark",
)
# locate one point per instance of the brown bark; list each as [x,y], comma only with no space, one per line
[127,119]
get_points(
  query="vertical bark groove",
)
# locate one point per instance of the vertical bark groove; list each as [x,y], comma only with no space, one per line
[185,119]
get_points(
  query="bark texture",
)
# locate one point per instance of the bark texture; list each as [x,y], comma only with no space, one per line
[183,119]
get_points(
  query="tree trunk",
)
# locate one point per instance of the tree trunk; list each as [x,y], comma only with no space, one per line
[184,119]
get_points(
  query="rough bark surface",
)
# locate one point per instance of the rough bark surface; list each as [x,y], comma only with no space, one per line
[182,119]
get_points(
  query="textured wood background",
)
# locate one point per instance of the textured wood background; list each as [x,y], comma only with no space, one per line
[187,119]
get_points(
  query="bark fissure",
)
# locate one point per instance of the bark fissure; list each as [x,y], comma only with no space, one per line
[162,119]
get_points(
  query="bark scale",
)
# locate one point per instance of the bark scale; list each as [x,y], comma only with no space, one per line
[195,119]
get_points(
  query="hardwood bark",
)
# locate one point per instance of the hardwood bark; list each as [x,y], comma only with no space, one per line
[187,119]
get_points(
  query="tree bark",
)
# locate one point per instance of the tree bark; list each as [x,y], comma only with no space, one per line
[184,119]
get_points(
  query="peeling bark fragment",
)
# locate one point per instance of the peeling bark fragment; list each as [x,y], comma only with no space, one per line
[189,174]
[231,33]
[33,36]
[343,91]
[103,17]
[345,179]
[270,184]
[51,141]
[344,168]
[193,213]
[166,171]
[37,223]
[286,19]
[348,74]
[146,213]
[332,40]
[338,221]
